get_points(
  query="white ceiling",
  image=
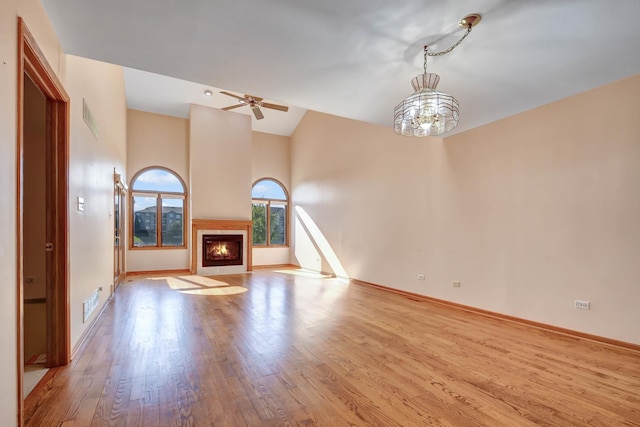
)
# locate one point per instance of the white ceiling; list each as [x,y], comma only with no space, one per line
[352,58]
[172,97]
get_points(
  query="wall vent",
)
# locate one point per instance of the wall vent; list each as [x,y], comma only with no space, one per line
[91,122]
[90,304]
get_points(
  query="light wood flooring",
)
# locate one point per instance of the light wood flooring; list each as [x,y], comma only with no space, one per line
[285,348]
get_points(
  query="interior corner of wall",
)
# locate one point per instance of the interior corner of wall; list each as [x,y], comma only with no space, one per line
[62,63]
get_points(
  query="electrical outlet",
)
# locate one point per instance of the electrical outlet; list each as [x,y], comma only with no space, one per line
[583,305]
[420,276]
[455,284]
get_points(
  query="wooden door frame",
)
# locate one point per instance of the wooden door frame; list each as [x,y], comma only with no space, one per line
[31,61]
[120,190]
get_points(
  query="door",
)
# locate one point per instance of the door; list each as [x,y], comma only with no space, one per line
[49,190]
[119,243]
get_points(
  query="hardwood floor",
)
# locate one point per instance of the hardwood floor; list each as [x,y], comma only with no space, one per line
[276,348]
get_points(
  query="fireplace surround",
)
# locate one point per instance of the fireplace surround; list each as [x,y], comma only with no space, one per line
[224,228]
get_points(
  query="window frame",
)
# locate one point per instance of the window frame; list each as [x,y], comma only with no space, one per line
[158,194]
[268,202]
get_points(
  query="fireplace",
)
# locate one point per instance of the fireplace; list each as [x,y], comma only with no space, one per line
[221,249]
[221,228]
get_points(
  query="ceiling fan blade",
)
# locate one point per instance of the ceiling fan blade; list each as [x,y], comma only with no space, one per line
[255,98]
[233,106]
[275,106]
[257,112]
[230,94]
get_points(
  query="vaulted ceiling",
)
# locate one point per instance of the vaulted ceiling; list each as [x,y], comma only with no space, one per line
[352,58]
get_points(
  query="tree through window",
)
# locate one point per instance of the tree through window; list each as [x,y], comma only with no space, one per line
[158,193]
[269,212]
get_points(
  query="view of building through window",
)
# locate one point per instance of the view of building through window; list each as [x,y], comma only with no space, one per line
[158,193]
[269,213]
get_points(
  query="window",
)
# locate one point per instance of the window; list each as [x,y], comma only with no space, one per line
[158,193]
[269,213]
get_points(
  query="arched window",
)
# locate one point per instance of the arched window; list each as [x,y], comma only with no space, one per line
[157,192]
[270,213]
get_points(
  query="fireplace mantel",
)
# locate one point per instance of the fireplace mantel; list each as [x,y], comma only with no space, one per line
[219,224]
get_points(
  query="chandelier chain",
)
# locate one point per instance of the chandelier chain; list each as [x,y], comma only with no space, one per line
[444,52]
[455,45]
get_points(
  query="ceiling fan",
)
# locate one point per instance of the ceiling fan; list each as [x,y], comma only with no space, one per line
[255,103]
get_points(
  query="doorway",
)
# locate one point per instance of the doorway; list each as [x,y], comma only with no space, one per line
[119,243]
[42,199]
[35,268]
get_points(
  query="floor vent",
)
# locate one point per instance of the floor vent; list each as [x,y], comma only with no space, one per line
[90,304]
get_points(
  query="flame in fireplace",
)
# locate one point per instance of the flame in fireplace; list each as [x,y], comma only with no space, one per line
[221,249]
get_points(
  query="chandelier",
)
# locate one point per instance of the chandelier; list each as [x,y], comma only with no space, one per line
[428,111]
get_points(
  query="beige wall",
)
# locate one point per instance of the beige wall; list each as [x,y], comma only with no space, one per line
[36,19]
[271,159]
[157,140]
[359,196]
[529,213]
[91,168]
[220,164]
[546,207]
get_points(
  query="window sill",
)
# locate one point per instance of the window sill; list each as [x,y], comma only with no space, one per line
[155,248]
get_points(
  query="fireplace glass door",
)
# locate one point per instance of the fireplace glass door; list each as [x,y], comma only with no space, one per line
[221,249]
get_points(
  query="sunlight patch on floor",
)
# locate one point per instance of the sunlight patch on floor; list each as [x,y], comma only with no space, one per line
[200,285]
[227,290]
[191,281]
[32,376]
[305,273]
